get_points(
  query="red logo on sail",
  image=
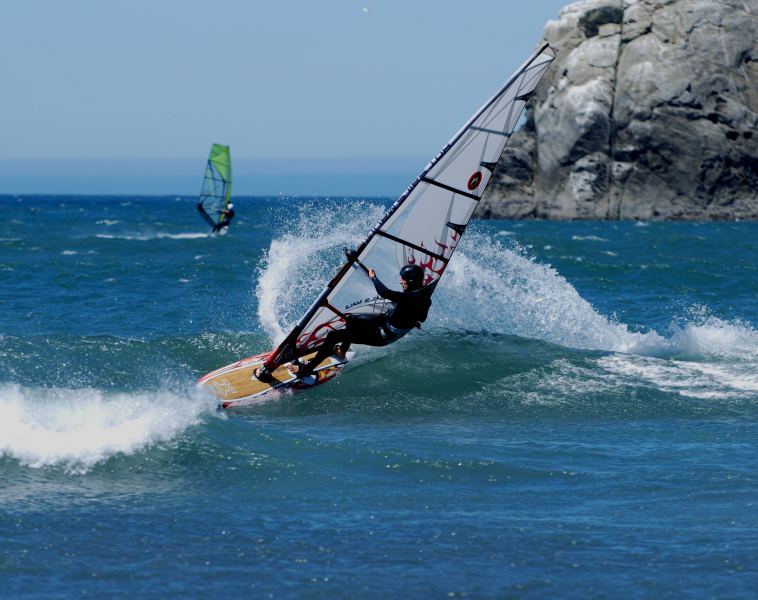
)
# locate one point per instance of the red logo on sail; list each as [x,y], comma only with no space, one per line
[475,180]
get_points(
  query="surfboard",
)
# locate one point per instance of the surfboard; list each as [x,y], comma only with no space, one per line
[235,385]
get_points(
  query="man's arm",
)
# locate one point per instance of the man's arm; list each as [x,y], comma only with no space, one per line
[383,290]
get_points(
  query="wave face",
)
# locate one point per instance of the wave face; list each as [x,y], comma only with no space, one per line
[586,392]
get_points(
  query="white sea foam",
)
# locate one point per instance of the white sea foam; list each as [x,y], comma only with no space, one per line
[589,238]
[295,266]
[703,380]
[704,336]
[77,429]
[146,237]
[505,291]
[182,236]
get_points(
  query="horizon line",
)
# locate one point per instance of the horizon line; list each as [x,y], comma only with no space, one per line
[278,158]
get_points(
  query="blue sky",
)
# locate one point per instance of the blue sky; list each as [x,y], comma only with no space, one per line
[330,78]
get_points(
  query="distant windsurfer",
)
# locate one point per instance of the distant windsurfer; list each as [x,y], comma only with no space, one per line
[410,310]
[226,217]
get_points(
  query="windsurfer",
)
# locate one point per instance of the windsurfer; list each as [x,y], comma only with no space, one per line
[410,310]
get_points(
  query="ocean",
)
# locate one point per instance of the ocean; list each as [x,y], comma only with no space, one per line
[578,418]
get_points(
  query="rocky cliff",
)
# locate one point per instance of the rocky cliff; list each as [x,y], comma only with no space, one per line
[649,112]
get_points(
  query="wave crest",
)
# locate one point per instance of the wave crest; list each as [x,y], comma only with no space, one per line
[78,429]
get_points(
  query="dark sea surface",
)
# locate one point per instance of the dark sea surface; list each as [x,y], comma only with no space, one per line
[577,419]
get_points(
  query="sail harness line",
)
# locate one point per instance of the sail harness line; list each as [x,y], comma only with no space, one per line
[531,73]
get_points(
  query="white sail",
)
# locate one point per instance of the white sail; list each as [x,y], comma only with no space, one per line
[426,222]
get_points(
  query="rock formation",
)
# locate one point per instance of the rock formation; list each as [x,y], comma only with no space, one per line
[649,112]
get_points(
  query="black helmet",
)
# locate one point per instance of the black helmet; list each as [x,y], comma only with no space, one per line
[414,275]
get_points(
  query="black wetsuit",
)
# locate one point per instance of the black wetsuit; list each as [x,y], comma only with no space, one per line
[411,309]
[229,214]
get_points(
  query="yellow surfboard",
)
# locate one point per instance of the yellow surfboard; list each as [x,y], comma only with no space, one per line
[235,385]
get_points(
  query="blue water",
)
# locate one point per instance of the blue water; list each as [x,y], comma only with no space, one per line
[578,418]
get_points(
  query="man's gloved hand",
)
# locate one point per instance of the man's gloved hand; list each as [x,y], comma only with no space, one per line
[351,254]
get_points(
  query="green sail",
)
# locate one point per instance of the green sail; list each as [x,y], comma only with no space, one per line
[216,191]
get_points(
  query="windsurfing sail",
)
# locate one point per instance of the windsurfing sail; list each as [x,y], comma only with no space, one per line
[425,224]
[216,192]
